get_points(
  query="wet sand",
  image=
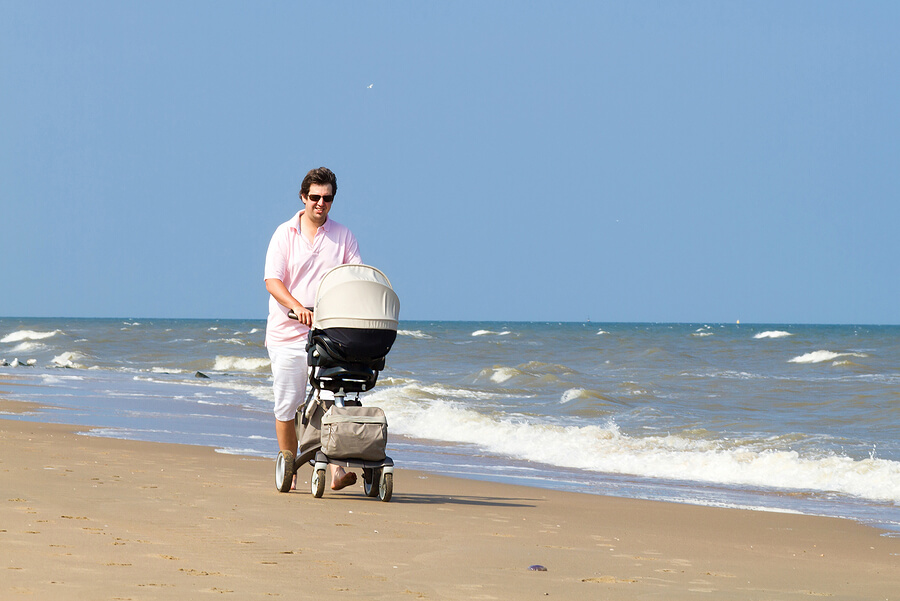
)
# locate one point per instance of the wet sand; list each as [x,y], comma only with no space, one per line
[95,518]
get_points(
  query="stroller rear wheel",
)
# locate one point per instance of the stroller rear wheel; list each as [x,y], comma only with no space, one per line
[378,483]
[284,471]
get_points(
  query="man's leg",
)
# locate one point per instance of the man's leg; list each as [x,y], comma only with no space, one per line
[289,385]
[287,436]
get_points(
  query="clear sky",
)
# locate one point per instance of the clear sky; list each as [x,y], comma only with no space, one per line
[618,161]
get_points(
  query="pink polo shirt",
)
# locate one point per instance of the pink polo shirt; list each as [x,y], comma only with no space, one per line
[300,264]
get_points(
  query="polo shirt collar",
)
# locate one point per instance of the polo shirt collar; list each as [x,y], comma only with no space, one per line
[326,226]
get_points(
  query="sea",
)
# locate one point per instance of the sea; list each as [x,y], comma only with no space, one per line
[786,418]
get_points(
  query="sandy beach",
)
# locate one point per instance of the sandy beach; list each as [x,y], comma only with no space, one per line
[95,518]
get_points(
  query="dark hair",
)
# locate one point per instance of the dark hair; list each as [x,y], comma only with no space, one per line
[320,176]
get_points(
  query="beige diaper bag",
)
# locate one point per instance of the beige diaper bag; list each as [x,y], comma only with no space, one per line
[354,433]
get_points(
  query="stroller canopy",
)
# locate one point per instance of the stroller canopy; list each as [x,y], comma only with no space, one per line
[356,296]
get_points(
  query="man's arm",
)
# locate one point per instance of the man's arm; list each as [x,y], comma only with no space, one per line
[278,290]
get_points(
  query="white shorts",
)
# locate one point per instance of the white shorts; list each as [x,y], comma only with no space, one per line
[290,376]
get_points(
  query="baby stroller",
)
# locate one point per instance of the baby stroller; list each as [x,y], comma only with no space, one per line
[354,326]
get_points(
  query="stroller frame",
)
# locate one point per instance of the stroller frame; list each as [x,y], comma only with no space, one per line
[378,476]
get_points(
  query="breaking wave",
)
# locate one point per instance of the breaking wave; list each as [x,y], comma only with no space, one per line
[68,359]
[224,363]
[823,356]
[773,334]
[20,335]
[414,334]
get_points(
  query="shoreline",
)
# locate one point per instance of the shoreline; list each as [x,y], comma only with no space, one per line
[112,518]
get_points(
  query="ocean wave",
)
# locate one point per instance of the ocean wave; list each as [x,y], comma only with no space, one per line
[225,363]
[530,373]
[439,391]
[68,359]
[230,341]
[518,375]
[490,333]
[603,448]
[47,379]
[415,334]
[846,363]
[823,356]
[28,335]
[246,451]
[394,381]
[262,392]
[499,375]
[574,394]
[728,374]
[773,334]
[27,346]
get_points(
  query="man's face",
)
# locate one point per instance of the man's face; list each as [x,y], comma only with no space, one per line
[317,211]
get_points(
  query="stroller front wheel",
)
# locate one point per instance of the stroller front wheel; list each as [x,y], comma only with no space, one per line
[386,487]
[317,483]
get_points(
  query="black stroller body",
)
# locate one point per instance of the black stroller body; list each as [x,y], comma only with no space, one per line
[354,326]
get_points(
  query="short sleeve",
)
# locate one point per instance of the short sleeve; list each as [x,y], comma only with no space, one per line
[277,255]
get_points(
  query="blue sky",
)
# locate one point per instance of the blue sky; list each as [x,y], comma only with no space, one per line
[618,161]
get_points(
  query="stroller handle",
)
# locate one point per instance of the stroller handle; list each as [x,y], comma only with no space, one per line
[293,315]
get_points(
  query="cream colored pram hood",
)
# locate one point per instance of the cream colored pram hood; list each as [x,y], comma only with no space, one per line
[356,296]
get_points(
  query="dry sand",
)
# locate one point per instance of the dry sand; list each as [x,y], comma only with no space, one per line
[94,518]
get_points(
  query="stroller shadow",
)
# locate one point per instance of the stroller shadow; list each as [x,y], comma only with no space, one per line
[425,499]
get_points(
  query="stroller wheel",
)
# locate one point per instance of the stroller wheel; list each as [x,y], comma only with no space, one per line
[284,471]
[371,481]
[386,488]
[317,483]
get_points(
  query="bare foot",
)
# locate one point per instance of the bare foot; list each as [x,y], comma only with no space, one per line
[341,479]
[294,483]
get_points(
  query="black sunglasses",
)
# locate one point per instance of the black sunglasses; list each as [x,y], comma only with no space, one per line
[317,197]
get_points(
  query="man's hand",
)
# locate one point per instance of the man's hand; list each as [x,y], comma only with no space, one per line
[303,315]
[297,311]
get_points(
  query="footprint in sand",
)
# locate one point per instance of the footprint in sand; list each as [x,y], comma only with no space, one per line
[609,580]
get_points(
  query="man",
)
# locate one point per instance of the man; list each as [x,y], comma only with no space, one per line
[301,251]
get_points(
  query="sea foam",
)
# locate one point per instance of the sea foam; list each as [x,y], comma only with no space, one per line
[603,448]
